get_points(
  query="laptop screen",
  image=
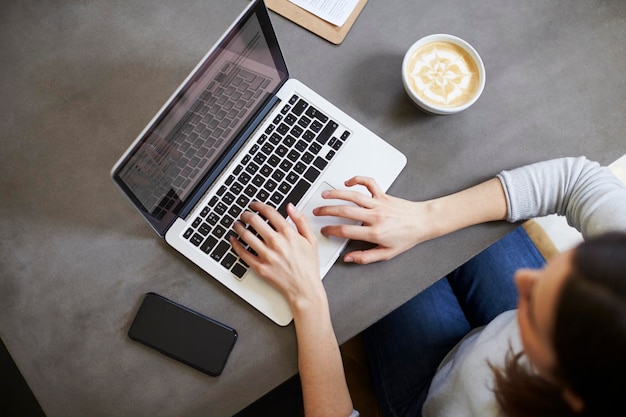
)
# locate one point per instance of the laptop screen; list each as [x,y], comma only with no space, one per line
[203,121]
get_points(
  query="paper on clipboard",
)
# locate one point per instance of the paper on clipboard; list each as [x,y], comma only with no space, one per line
[324,29]
[332,11]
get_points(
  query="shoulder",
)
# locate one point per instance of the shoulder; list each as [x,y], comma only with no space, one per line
[463,384]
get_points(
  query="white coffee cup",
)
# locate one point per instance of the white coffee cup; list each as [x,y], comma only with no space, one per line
[443,74]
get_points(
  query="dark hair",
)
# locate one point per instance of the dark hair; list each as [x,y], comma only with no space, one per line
[589,340]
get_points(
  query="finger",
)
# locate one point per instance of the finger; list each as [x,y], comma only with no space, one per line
[348,231]
[369,256]
[276,220]
[368,182]
[355,197]
[302,223]
[242,252]
[346,212]
[250,238]
[256,221]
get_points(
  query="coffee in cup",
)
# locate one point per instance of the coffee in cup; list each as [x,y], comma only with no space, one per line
[443,74]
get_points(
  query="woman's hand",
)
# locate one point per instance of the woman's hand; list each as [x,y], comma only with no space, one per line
[285,256]
[394,224]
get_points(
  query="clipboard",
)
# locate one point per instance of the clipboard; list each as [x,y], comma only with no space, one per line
[333,34]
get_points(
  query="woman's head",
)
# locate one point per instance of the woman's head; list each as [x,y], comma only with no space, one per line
[590,324]
[572,319]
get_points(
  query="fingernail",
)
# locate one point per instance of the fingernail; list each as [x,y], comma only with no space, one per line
[325,193]
[348,259]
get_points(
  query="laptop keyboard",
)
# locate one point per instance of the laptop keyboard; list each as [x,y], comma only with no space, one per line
[279,168]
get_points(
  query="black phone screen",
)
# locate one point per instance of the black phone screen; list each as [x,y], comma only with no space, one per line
[183,334]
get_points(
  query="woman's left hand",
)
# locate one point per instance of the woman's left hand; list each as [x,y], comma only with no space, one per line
[286,257]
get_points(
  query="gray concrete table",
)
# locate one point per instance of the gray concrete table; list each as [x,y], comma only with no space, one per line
[80,79]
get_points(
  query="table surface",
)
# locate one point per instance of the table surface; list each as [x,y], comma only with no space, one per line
[79,81]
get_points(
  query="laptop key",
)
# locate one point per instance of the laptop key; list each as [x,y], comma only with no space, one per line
[228,198]
[316,126]
[307,158]
[243,201]
[320,163]
[204,229]
[327,132]
[212,218]
[304,122]
[300,106]
[299,167]
[258,180]
[239,270]
[208,244]
[218,231]
[228,261]
[282,129]
[226,221]
[220,208]
[290,119]
[220,250]
[196,222]
[311,174]
[262,196]
[270,185]
[235,211]
[284,187]
[296,194]
[292,177]
[315,113]
[236,188]
[296,131]
[250,190]
[315,148]
[293,155]
[308,136]
[276,198]
[260,158]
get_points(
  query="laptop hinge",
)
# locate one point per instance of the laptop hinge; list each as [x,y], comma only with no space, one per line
[228,156]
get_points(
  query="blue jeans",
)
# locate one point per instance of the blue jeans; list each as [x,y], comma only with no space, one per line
[405,348]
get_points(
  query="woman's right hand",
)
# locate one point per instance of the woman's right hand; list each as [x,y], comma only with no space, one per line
[396,225]
[393,224]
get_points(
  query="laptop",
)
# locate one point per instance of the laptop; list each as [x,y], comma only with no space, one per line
[239,129]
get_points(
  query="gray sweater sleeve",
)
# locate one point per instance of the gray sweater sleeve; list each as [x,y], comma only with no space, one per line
[591,198]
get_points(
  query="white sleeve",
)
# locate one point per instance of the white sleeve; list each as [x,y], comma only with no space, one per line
[591,198]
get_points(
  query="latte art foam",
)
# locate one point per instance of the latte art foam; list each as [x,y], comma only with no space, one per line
[443,74]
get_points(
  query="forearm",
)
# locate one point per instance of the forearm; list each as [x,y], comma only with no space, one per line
[482,203]
[324,387]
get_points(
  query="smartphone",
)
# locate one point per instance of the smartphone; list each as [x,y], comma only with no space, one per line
[183,334]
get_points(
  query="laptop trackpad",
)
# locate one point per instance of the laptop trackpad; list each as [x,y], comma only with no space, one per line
[328,246]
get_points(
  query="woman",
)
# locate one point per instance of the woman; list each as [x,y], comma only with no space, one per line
[475,378]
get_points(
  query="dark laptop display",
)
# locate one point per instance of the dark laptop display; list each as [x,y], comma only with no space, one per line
[205,123]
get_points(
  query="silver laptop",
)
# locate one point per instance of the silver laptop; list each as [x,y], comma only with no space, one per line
[238,129]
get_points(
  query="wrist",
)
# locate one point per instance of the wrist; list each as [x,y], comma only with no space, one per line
[432,218]
[313,304]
